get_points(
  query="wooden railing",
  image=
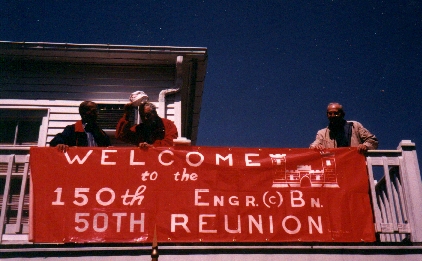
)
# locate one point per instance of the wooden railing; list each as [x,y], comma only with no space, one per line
[394,178]
[14,198]
[396,192]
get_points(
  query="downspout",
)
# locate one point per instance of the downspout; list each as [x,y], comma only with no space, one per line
[177,106]
[162,101]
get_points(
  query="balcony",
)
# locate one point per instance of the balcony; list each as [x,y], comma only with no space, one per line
[396,197]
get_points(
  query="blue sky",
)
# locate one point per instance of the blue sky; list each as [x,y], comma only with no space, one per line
[273,65]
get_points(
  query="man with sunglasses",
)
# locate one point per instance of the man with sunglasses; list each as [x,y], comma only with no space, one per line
[84,133]
[342,133]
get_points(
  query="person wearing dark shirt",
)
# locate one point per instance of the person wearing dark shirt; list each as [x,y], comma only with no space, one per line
[342,133]
[84,133]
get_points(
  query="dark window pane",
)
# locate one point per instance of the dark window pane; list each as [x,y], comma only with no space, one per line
[28,132]
[7,131]
[110,114]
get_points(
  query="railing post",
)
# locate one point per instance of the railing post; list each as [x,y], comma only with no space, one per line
[413,188]
[154,253]
[10,159]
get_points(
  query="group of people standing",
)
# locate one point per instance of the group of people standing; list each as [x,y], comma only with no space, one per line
[154,131]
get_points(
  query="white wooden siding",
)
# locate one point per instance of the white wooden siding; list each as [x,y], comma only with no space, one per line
[63,113]
[59,81]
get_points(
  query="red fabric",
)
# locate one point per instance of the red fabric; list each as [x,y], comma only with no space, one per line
[128,134]
[200,194]
[79,127]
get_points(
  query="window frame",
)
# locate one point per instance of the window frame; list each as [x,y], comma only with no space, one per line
[28,113]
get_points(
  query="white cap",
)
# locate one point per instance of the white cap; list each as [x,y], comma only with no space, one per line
[138,97]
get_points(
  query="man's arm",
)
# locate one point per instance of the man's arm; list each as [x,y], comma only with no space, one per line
[66,137]
[318,143]
[124,131]
[367,138]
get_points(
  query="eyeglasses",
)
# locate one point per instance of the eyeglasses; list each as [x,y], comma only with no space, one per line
[334,113]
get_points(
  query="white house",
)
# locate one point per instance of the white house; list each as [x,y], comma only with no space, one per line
[42,85]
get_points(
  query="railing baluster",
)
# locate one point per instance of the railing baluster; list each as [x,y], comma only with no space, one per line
[390,207]
[383,220]
[375,206]
[405,228]
[9,160]
[18,227]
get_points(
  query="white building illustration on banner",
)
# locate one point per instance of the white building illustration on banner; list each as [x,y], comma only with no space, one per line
[304,175]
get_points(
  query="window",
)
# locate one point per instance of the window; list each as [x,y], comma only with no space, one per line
[110,114]
[108,117]
[21,127]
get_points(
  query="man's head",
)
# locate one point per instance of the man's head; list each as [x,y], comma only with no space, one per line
[147,111]
[335,113]
[88,112]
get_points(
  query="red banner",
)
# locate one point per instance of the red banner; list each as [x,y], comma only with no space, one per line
[200,194]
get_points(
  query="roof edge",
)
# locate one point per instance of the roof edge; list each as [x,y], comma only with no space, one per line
[103,47]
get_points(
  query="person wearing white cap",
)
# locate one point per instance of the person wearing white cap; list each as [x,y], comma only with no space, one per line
[153,131]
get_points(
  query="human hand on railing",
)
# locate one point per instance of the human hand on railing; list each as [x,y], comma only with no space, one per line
[319,147]
[62,147]
[144,145]
[362,148]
